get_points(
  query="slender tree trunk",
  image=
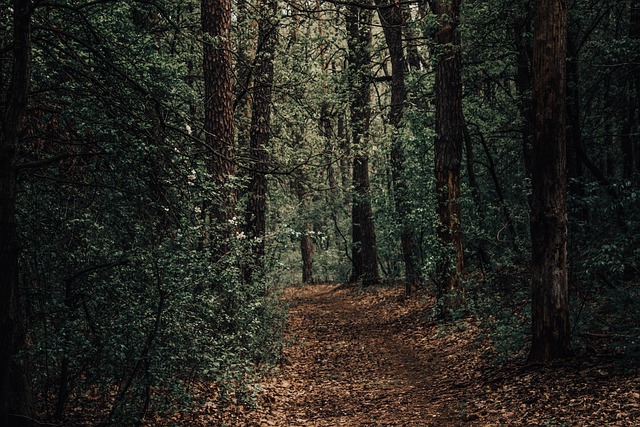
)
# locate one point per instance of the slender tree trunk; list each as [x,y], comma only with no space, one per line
[261,132]
[575,166]
[635,34]
[491,168]
[307,251]
[471,173]
[219,117]
[550,303]
[392,25]
[364,252]
[15,395]
[345,151]
[243,70]
[629,138]
[448,147]
[523,83]
[329,154]
[414,60]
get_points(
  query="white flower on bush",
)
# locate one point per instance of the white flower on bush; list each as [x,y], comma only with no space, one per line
[240,235]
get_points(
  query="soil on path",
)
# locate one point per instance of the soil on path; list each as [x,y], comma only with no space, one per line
[351,363]
[372,358]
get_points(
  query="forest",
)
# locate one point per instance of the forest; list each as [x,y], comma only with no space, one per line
[319,212]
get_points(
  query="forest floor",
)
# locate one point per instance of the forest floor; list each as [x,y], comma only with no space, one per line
[373,358]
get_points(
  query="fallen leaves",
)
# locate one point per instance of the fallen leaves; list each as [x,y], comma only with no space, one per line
[372,359]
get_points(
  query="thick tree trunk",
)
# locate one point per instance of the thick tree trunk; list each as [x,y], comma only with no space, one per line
[392,22]
[261,132]
[15,395]
[448,146]
[550,304]
[219,116]
[364,253]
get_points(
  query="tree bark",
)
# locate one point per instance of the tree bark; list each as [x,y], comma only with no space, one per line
[448,146]
[392,22]
[307,251]
[16,407]
[629,138]
[364,252]
[575,166]
[550,302]
[414,60]
[523,83]
[219,116]
[260,132]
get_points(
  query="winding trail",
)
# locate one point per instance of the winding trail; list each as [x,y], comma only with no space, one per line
[353,362]
[371,358]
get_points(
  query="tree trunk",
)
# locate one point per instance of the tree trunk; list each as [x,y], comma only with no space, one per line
[219,116]
[575,167]
[629,138]
[523,83]
[414,60]
[261,133]
[307,251]
[364,253]
[392,25]
[244,53]
[448,146]
[550,303]
[15,395]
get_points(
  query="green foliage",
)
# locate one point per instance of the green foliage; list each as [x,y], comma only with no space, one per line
[128,313]
[129,316]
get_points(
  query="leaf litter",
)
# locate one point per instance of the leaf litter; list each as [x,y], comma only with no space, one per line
[374,358]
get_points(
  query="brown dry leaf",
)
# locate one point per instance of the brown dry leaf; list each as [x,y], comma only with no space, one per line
[373,359]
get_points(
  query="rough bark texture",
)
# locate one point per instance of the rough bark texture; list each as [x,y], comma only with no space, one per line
[364,253]
[307,252]
[392,22]
[218,113]
[15,397]
[550,306]
[260,132]
[448,144]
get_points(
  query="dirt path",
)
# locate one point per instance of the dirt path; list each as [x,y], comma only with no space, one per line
[353,362]
[372,358]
